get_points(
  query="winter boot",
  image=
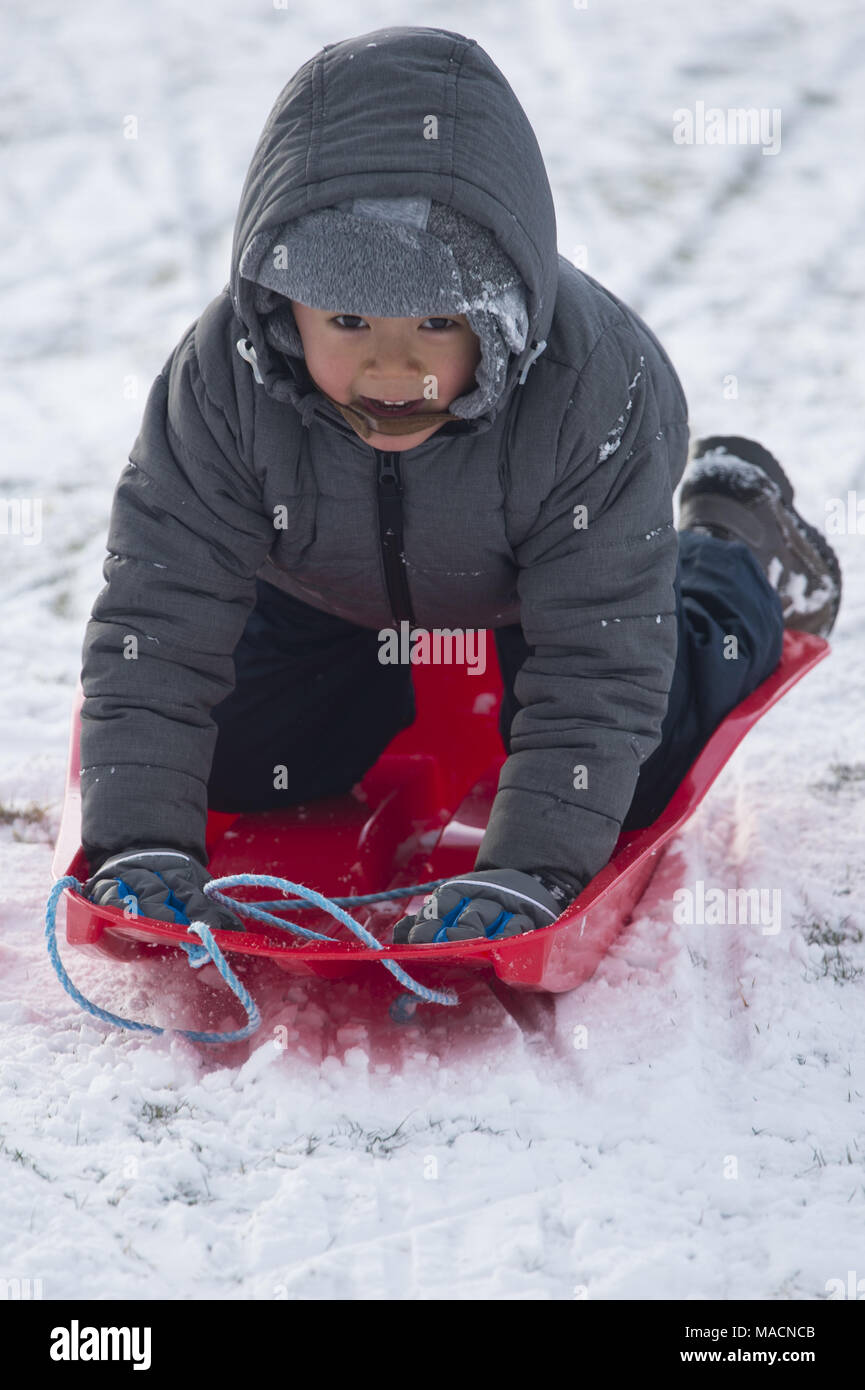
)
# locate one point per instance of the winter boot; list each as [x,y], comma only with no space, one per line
[736,490]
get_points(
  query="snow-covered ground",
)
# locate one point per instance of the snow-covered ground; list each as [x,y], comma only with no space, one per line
[708,1140]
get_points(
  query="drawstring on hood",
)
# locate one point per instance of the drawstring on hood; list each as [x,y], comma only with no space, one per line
[397,175]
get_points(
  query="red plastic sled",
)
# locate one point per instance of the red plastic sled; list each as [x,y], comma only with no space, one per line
[418,814]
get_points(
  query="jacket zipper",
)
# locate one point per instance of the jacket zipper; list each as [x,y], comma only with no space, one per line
[391,537]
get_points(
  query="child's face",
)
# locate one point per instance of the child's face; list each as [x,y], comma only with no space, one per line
[389,359]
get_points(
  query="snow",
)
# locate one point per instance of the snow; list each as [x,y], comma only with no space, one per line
[721,463]
[692,1127]
[614,437]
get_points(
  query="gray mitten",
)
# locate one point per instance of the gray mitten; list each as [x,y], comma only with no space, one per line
[491,903]
[163,883]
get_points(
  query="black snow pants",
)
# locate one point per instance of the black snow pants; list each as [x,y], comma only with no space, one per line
[312,695]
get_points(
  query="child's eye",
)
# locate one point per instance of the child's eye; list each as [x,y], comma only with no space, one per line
[448,323]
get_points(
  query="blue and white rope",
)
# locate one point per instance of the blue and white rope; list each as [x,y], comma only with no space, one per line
[213,886]
[198,953]
[205,949]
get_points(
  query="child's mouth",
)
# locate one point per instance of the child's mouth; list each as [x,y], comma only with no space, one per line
[382,408]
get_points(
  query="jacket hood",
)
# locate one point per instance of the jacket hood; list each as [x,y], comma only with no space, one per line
[397,112]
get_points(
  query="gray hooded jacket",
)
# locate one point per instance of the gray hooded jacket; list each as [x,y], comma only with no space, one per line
[553,508]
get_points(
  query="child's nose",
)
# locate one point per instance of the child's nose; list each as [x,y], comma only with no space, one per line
[399,365]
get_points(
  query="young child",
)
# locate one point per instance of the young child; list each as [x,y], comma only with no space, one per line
[396,242]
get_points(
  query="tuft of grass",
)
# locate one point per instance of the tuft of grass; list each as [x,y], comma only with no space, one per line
[153,1111]
[188,1195]
[19,1156]
[843,775]
[381,1145]
[61,604]
[375,1141]
[832,936]
[31,815]
[19,816]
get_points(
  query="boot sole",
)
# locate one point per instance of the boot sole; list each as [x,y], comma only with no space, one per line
[803,540]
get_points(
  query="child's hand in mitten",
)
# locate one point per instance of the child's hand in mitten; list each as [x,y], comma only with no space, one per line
[489,903]
[160,883]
